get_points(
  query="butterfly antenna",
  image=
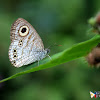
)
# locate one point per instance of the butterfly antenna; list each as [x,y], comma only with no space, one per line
[55,44]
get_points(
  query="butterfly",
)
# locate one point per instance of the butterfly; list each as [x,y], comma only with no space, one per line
[26,45]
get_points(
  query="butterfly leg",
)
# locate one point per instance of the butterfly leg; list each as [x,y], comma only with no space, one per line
[49,57]
[38,62]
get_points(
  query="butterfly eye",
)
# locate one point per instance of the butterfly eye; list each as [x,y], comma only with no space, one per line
[15,56]
[14,50]
[24,30]
[14,62]
[20,43]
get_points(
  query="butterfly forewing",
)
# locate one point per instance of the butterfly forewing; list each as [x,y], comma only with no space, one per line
[26,45]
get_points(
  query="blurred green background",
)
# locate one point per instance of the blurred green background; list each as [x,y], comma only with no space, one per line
[63,22]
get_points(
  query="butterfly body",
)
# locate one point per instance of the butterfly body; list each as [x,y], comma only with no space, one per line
[26,45]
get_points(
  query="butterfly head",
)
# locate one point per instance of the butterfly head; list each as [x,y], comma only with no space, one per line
[47,50]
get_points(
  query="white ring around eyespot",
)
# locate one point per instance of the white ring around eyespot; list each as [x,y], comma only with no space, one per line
[25,33]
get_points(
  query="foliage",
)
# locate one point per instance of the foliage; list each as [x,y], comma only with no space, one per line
[63,22]
[79,50]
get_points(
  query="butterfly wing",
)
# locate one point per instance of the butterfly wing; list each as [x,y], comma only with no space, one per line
[25,43]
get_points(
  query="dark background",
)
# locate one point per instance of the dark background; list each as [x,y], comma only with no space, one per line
[63,22]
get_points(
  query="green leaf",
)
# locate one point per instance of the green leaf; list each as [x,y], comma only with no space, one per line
[76,51]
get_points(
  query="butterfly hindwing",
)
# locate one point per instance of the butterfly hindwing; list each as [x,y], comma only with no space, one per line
[26,45]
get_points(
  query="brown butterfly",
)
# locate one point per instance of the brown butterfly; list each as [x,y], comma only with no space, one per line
[26,45]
